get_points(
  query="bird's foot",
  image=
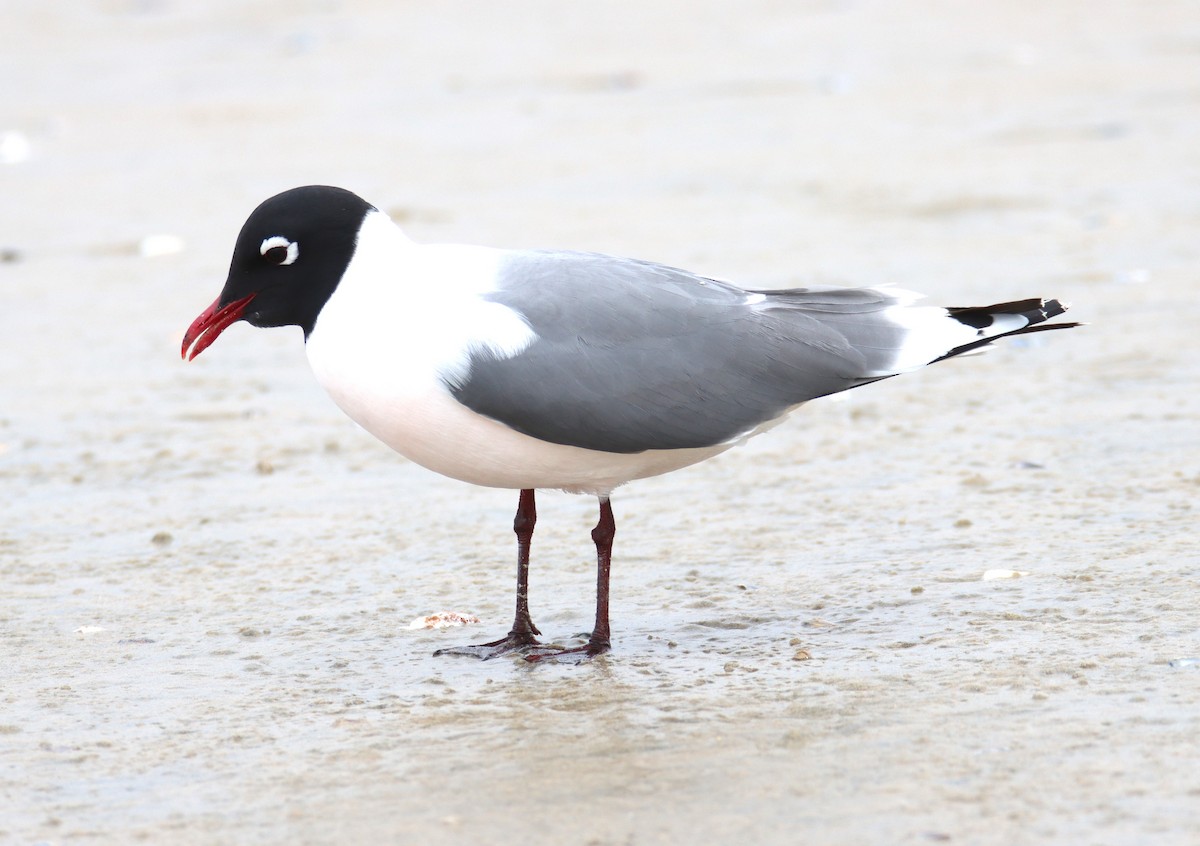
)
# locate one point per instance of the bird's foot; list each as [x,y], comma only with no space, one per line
[573,655]
[514,641]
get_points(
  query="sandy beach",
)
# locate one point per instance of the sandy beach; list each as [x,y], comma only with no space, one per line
[959,606]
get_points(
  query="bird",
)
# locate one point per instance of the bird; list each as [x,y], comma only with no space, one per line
[556,369]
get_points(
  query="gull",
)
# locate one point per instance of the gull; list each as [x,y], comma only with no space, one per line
[556,369]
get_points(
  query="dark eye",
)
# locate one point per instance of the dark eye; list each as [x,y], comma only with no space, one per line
[279,250]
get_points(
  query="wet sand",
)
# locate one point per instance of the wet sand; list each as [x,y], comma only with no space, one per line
[208,573]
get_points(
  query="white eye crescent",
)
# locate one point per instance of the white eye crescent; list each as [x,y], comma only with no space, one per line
[279,249]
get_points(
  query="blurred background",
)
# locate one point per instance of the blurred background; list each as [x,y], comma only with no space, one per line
[206,573]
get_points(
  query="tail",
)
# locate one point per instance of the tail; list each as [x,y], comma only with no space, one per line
[1003,320]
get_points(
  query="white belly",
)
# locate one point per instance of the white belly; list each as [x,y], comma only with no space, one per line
[436,431]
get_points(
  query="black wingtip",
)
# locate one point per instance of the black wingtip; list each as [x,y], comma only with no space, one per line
[1036,312]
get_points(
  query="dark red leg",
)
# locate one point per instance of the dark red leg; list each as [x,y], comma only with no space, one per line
[523,631]
[602,536]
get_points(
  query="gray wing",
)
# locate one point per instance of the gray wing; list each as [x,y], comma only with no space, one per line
[633,356]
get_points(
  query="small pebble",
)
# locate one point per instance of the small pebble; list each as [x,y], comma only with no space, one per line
[802,655]
[153,246]
[443,620]
[1133,276]
[991,575]
[1179,663]
[14,147]
[161,538]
